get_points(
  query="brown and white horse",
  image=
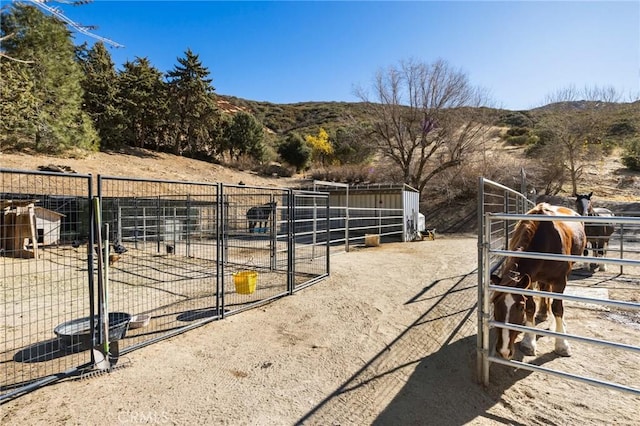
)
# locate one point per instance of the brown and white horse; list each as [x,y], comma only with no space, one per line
[530,235]
[598,234]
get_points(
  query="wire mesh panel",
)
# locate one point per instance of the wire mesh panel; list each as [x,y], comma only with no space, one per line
[256,249]
[496,198]
[162,238]
[310,237]
[166,255]
[44,280]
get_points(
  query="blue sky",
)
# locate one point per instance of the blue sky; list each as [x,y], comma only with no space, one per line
[287,52]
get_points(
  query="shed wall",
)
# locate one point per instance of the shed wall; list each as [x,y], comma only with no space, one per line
[411,208]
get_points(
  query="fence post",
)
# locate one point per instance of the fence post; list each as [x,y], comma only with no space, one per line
[291,221]
[188,221]
[119,222]
[90,276]
[328,235]
[346,223]
[479,337]
[505,223]
[158,224]
[273,234]
[222,255]
[621,246]
[314,226]
[486,278]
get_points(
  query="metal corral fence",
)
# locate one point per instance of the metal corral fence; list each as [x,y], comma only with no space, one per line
[171,256]
[42,285]
[493,235]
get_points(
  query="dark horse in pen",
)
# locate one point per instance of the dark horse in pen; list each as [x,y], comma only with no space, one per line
[258,216]
[598,234]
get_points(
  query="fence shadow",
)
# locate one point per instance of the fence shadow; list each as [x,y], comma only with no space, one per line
[430,368]
[41,352]
[444,390]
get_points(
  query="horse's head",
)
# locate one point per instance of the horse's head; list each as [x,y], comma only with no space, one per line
[509,308]
[583,204]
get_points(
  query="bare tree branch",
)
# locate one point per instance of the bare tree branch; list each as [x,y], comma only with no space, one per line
[425,118]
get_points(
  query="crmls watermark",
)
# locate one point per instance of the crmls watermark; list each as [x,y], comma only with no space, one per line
[143,418]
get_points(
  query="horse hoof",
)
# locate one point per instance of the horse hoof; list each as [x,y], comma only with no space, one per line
[563,351]
[527,350]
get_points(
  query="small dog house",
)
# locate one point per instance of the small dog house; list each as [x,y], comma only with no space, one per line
[24,226]
[48,224]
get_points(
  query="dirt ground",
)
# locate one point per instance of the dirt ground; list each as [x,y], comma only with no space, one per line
[388,339]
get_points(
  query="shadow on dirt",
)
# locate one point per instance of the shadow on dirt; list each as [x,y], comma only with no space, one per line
[430,368]
[443,389]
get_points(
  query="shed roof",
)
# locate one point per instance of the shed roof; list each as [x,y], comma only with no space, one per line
[40,209]
[374,188]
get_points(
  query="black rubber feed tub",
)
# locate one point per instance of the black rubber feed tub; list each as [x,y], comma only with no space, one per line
[75,335]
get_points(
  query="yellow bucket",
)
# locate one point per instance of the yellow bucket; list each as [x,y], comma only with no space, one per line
[245,281]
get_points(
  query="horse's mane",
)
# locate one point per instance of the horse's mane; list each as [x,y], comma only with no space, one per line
[523,235]
[526,228]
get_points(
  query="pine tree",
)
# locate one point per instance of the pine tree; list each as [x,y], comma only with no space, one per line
[101,97]
[194,116]
[144,105]
[58,123]
[17,104]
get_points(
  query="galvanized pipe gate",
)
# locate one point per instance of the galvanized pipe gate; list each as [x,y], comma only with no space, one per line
[494,229]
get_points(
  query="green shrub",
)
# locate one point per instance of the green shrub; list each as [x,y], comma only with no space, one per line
[621,128]
[295,151]
[517,131]
[517,119]
[631,157]
[522,140]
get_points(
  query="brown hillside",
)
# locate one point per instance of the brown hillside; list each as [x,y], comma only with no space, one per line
[141,163]
[609,180]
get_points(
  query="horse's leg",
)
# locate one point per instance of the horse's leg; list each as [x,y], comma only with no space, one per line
[603,253]
[562,347]
[543,310]
[594,251]
[598,251]
[528,343]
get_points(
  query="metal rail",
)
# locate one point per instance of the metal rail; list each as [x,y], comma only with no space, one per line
[487,252]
